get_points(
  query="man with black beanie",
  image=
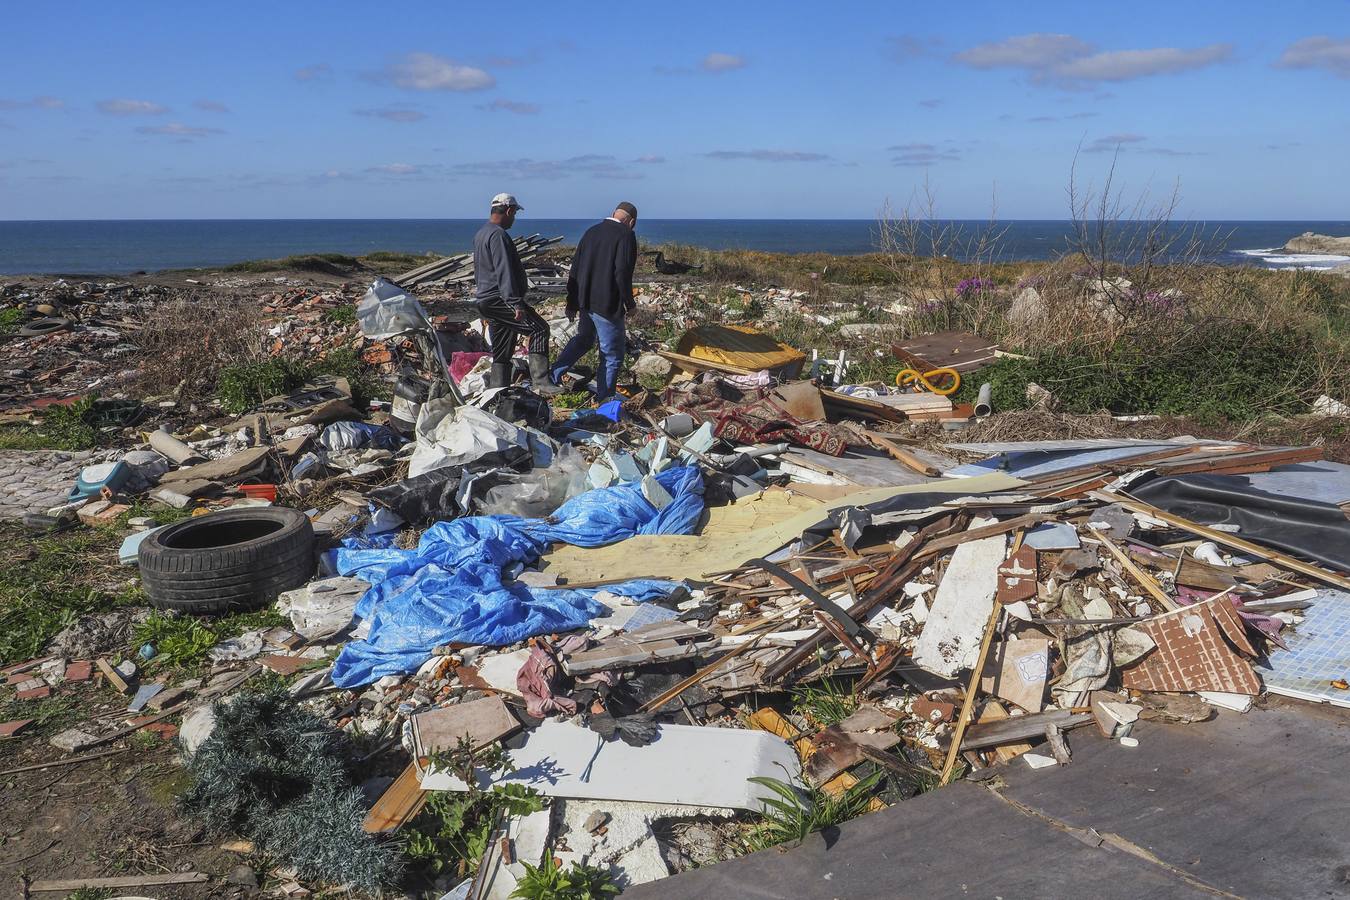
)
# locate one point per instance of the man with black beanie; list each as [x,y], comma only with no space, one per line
[600,292]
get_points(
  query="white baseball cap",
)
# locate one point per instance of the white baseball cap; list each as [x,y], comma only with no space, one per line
[506,200]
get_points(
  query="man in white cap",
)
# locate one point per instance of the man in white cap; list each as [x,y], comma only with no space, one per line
[501,285]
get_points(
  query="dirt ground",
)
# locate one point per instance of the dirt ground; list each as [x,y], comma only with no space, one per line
[108,817]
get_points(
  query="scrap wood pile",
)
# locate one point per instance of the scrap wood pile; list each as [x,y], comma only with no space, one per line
[688,604]
[458,269]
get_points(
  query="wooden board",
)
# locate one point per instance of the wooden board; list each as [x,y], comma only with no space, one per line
[398,805]
[957,350]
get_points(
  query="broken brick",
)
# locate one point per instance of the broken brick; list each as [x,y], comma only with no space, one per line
[80,670]
[37,693]
[9,729]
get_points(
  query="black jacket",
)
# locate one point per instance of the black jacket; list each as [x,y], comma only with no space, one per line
[602,270]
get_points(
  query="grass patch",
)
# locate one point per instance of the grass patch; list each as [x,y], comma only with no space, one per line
[49,715]
[798,809]
[1213,372]
[62,428]
[340,315]
[10,320]
[178,641]
[825,703]
[243,386]
[47,583]
[325,263]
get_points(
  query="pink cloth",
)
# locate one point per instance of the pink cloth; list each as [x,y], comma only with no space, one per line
[462,362]
[535,681]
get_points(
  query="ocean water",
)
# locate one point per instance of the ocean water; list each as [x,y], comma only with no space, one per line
[121,247]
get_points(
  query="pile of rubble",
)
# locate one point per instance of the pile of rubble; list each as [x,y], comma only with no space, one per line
[672,607]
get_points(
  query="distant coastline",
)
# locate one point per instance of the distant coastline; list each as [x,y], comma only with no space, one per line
[124,247]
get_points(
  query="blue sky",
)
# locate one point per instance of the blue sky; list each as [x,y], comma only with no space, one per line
[697,110]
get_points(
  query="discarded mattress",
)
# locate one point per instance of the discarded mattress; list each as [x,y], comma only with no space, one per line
[1304,526]
[452,587]
[685,765]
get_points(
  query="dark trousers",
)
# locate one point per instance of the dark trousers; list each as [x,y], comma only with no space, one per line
[504,328]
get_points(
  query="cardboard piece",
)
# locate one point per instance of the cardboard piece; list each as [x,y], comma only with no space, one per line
[685,765]
[1194,652]
[1016,671]
[482,721]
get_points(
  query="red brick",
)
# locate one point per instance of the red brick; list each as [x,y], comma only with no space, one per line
[38,693]
[9,729]
[165,730]
[80,670]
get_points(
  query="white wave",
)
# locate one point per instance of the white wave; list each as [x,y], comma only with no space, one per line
[1279,258]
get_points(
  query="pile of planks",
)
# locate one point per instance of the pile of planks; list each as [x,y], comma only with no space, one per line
[458,269]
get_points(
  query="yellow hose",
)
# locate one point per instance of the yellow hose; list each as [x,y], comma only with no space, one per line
[926,380]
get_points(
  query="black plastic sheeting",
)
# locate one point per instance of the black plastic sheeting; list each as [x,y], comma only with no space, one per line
[1315,531]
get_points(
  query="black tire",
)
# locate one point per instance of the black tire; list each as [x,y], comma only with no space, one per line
[39,327]
[238,559]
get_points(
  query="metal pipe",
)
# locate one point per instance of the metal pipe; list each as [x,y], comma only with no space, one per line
[984,402]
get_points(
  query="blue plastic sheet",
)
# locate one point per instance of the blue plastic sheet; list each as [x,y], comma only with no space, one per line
[451,587]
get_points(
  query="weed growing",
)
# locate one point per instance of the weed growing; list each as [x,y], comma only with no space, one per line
[798,809]
[47,583]
[549,881]
[69,427]
[825,703]
[178,641]
[453,828]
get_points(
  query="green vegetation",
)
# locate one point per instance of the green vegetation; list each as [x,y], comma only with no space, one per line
[46,583]
[453,828]
[49,715]
[178,641]
[242,386]
[549,881]
[63,428]
[825,703]
[334,263]
[799,809]
[10,320]
[340,315]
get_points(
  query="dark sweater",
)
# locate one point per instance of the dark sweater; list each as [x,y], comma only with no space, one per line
[602,270]
[497,270]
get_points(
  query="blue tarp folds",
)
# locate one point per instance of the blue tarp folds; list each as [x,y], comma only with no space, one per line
[451,588]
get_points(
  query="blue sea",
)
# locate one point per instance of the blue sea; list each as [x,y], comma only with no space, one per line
[122,247]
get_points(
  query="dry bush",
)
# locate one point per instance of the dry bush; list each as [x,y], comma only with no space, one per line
[187,341]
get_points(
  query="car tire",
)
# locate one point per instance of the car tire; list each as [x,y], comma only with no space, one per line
[48,325]
[230,561]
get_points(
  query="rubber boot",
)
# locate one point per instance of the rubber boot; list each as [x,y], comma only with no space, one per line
[539,377]
[500,376]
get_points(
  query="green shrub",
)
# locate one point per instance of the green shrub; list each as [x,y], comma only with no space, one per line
[243,386]
[1213,371]
[549,881]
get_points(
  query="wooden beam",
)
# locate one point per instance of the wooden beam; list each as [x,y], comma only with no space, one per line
[1146,580]
[126,881]
[902,455]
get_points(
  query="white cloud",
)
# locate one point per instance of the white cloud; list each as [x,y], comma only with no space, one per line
[178,130]
[512,106]
[722,62]
[1066,61]
[36,103]
[429,72]
[124,107]
[396,169]
[1124,65]
[1319,52]
[393,114]
[595,165]
[315,72]
[922,154]
[211,106]
[650,159]
[769,155]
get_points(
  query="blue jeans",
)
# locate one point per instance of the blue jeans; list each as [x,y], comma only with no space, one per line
[611,336]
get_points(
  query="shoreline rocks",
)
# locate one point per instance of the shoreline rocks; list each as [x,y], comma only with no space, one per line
[1309,242]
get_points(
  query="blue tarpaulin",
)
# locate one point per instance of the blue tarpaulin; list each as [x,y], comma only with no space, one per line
[452,587]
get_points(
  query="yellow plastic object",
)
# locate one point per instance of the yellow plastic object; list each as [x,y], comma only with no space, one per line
[926,380]
[743,347]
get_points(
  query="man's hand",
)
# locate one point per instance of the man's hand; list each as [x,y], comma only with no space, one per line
[520,314]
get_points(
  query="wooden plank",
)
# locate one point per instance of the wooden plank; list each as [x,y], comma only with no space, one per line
[1146,580]
[902,455]
[993,711]
[1017,729]
[1228,540]
[398,805]
[125,881]
[843,404]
